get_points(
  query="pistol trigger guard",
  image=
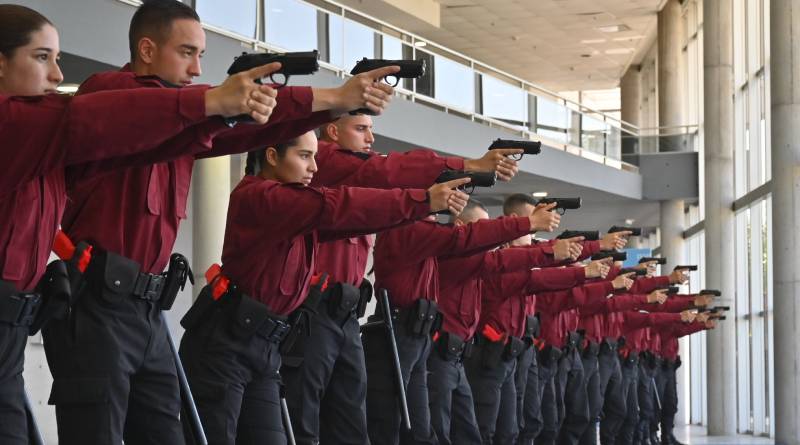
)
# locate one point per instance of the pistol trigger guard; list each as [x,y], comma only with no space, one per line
[393,84]
[561,211]
[517,157]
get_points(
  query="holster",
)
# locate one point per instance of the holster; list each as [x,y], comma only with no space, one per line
[178,272]
[366,291]
[491,352]
[199,310]
[451,347]
[424,318]
[56,291]
[514,348]
[549,355]
[343,299]
[300,319]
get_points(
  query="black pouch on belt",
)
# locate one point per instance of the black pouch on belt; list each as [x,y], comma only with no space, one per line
[450,346]
[178,273]
[366,291]
[342,300]
[513,348]
[56,292]
[111,276]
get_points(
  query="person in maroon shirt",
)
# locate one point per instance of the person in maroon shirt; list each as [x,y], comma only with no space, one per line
[460,287]
[326,375]
[44,133]
[231,345]
[406,266]
[131,219]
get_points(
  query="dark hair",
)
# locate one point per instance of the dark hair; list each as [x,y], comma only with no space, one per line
[255,158]
[472,204]
[17,23]
[515,201]
[154,20]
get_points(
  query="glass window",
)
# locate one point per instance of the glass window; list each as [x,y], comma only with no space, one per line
[392,48]
[238,16]
[359,42]
[454,84]
[290,24]
[502,100]
[336,40]
[551,114]
[593,134]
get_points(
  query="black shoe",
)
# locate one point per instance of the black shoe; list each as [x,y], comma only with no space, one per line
[674,441]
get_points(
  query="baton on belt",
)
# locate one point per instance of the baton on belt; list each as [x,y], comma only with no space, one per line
[383,300]
[34,435]
[287,420]
[65,249]
[655,391]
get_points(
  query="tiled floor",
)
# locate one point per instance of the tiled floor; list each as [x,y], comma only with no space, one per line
[696,435]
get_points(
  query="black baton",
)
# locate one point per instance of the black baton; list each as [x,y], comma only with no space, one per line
[187,400]
[287,420]
[34,435]
[383,298]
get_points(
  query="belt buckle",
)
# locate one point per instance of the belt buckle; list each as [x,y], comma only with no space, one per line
[28,308]
[153,287]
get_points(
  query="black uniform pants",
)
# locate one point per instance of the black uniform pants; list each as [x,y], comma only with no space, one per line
[114,373]
[630,421]
[452,406]
[594,396]
[495,394]
[235,382]
[613,391]
[648,405]
[13,418]
[548,371]
[326,384]
[383,409]
[574,408]
[529,396]
[669,399]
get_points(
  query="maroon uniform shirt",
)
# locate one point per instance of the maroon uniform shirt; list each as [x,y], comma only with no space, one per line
[136,212]
[461,282]
[345,260]
[406,257]
[676,303]
[671,334]
[621,324]
[43,135]
[557,309]
[646,285]
[273,231]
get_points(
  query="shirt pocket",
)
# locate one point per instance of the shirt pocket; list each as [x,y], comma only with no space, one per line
[295,268]
[27,208]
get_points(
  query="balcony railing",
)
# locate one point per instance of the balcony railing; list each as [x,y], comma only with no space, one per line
[454,83]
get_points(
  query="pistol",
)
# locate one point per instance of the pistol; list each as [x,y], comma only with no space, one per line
[637,231]
[563,204]
[477,179]
[689,268]
[713,292]
[613,254]
[648,259]
[409,69]
[299,63]
[528,147]
[670,289]
[636,272]
[588,235]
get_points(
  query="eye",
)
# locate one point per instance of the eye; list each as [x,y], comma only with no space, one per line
[43,57]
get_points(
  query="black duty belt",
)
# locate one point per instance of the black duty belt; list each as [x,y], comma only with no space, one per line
[18,309]
[149,286]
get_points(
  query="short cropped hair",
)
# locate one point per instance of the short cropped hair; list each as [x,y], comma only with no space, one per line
[472,204]
[154,20]
[513,203]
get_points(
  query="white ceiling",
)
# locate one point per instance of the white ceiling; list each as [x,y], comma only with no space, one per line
[552,43]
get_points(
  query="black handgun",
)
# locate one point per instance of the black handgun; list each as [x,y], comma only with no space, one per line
[670,289]
[719,309]
[528,147]
[477,179]
[713,292]
[409,69]
[613,254]
[298,63]
[689,268]
[637,231]
[588,235]
[562,204]
[648,259]
[637,272]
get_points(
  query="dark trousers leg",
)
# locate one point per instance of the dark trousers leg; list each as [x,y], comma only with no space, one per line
[114,374]
[493,390]
[451,402]
[614,397]
[13,418]
[532,402]
[521,383]
[235,382]
[576,403]
[660,381]
[549,405]
[326,384]
[647,402]
[630,383]
[591,373]
[383,411]
[669,403]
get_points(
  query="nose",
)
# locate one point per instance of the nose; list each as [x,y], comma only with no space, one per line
[55,75]
[312,166]
[194,68]
[370,137]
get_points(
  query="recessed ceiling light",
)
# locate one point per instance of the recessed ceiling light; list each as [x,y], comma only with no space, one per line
[68,88]
[420,44]
[626,39]
[614,51]
[592,41]
[539,194]
[629,221]
[614,28]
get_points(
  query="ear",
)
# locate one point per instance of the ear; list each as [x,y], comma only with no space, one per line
[332,131]
[271,157]
[146,50]
[3,64]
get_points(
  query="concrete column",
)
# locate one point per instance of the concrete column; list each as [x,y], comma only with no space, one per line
[672,243]
[630,91]
[671,94]
[785,86]
[212,186]
[719,217]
